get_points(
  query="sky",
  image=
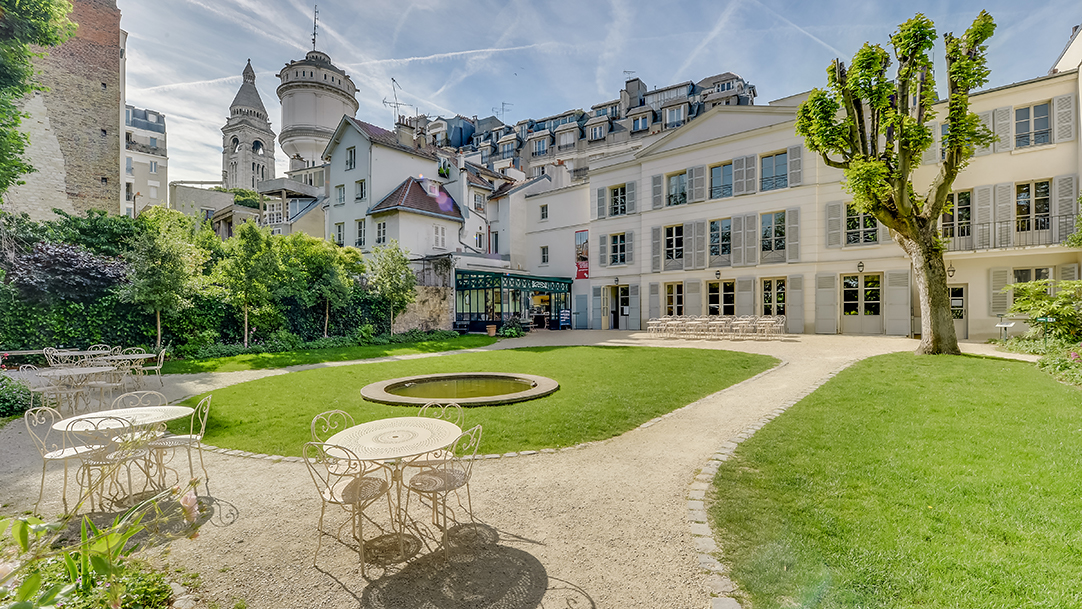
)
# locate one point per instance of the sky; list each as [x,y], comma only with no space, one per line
[524,58]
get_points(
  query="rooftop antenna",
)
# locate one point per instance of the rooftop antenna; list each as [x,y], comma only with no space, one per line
[315,26]
[502,110]
[397,105]
[628,74]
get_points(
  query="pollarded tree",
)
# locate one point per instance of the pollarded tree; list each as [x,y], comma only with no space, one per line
[875,129]
[392,278]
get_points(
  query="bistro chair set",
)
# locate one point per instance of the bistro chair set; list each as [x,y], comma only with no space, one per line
[357,467]
[113,449]
[697,327]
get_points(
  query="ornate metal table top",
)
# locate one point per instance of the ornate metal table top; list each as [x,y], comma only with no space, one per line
[389,439]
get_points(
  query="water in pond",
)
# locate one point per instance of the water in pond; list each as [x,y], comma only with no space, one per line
[462,387]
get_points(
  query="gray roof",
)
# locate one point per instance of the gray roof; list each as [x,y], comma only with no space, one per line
[248,95]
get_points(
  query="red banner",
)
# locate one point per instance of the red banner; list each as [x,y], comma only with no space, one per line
[582,254]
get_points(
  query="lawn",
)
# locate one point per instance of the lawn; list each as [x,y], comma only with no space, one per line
[911,481]
[265,361]
[604,391]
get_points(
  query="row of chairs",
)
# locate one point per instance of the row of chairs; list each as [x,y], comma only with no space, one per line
[717,326]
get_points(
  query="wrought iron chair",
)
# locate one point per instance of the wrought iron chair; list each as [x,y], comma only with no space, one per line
[156,369]
[450,412]
[53,445]
[116,445]
[139,399]
[192,438]
[326,424]
[437,482]
[55,391]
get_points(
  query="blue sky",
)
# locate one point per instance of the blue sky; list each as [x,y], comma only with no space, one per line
[539,57]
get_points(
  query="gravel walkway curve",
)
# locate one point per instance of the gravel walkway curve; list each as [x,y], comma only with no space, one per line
[604,524]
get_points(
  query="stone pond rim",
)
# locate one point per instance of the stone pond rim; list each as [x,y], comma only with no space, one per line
[538,386]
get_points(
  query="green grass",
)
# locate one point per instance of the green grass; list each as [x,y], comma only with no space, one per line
[604,391]
[911,481]
[264,361]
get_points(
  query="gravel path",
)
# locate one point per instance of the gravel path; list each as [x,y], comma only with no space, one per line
[604,523]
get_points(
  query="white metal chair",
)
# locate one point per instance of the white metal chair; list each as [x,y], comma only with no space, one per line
[437,482]
[186,441]
[53,445]
[115,445]
[139,399]
[450,412]
[156,369]
[326,424]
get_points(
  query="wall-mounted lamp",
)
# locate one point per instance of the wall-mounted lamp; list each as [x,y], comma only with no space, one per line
[617,280]
[860,266]
[950,270]
[717,274]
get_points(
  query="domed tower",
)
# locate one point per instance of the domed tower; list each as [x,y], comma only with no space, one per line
[247,139]
[314,94]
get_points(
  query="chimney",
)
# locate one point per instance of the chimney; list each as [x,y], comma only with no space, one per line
[405,132]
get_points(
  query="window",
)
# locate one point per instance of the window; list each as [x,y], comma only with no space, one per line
[507,150]
[153,192]
[105,181]
[153,142]
[359,191]
[674,299]
[541,147]
[597,132]
[351,158]
[104,133]
[128,168]
[340,194]
[479,241]
[617,249]
[773,297]
[721,237]
[494,243]
[775,171]
[360,234]
[479,201]
[678,189]
[545,212]
[618,201]
[773,237]
[484,157]
[340,233]
[381,233]
[538,171]
[640,123]
[439,236]
[1037,274]
[860,228]
[721,181]
[721,298]
[674,242]
[567,141]
[1031,206]
[674,117]
[861,294]
[956,221]
[544,254]
[206,213]
[1032,126]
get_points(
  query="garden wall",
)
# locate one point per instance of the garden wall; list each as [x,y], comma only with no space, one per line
[433,310]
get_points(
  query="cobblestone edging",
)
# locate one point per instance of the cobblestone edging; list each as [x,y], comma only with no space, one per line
[721,587]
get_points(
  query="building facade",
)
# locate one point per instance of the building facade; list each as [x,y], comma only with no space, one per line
[146,160]
[247,138]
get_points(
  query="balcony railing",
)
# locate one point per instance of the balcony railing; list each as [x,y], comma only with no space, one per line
[774,183]
[580,173]
[678,198]
[544,152]
[1021,232]
[507,154]
[358,243]
[719,192]
[674,124]
[563,147]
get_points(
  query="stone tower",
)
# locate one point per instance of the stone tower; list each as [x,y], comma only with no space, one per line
[247,139]
[314,94]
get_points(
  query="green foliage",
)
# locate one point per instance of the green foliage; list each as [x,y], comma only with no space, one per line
[1034,300]
[249,272]
[392,278]
[55,272]
[511,329]
[242,196]
[98,232]
[14,397]
[13,143]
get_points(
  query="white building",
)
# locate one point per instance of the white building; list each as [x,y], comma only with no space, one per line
[146,160]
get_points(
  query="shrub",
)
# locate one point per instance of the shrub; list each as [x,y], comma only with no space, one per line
[283,340]
[14,397]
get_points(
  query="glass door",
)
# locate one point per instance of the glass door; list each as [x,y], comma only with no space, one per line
[862,304]
[959,310]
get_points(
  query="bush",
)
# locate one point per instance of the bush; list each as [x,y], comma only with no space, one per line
[283,340]
[14,397]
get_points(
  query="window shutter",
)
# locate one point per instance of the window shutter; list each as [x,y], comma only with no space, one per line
[736,236]
[1004,212]
[792,235]
[634,307]
[899,316]
[795,165]
[794,308]
[655,249]
[999,301]
[834,223]
[653,305]
[738,176]
[595,323]
[751,184]
[593,204]
[700,244]
[931,155]
[1066,193]
[1003,126]
[751,240]
[603,250]
[693,298]
[658,195]
[689,246]
[986,120]
[602,203]
[745,296]
[629,196]
[826,304]
[982,217]
[884,232]
[1067,272]
[696,183]
[1063,111]
[629,246]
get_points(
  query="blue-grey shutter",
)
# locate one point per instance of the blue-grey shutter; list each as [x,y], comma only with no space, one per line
[736,237]
[629,196]
[794,307]
[629,247]
[1003,127]
[738,176]
[1004,212]
[835,222]
[826,303]
[931,155]
[1067,272]
[751,166]
[999,301]
[595,322]
[657,184]
[796,165]
[696,183]
[986,120]
[884,232]
[1063,111]
[655,249]
[653,305]
[792,235]
[982,217]
[751,240]
[745,296]
[1065,191]
[898,319]
[603,250]
[634,307]
[693,297]
[689,246]
[602,203]
[700,244]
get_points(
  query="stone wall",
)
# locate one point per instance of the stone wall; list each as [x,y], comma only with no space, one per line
[74,127]
[433,310]
[190,200]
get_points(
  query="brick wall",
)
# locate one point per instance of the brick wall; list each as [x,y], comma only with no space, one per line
[69,119]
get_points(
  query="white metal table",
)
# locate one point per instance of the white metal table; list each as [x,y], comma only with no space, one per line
[59,372]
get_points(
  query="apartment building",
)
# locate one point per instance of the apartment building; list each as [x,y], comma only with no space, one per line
[146,160]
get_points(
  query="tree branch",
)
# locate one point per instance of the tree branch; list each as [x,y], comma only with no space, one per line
[835,164]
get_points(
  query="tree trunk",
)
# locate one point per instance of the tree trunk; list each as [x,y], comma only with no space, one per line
[158,316]
[245,325]
[326,315]
[936,323]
